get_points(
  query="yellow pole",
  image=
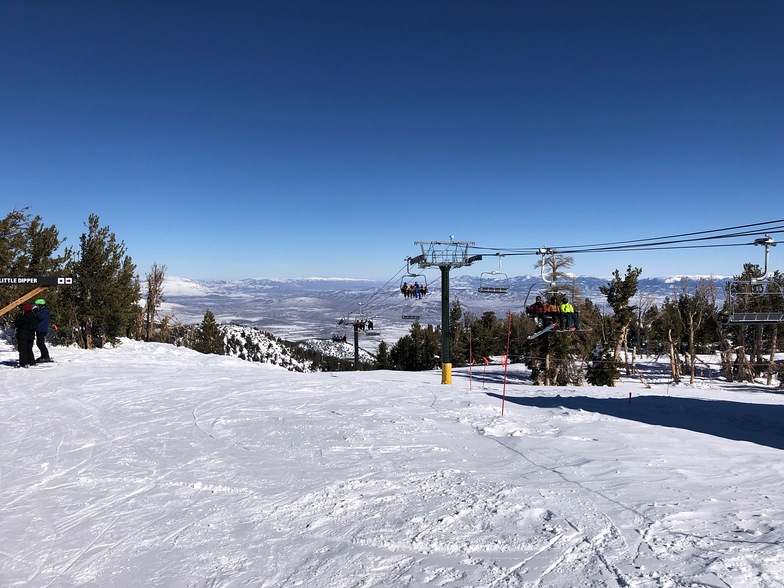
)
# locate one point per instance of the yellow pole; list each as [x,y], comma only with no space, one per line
[446,373]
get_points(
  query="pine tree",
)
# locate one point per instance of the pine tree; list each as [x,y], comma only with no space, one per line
[522,327]
[103,302]
[154,298]
[619,292]
[459,348]
[488,336]
[382,357]
[603,368]
[208,337]
[418,350]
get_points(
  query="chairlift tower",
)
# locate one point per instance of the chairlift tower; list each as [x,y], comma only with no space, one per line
[444,255]
[357,320]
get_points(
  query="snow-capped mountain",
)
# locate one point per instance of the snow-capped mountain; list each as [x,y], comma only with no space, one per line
[306,309]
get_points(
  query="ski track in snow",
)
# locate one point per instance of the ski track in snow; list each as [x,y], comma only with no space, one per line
[149,465]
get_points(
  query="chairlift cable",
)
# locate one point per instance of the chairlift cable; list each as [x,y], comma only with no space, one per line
[678,236]
[658,242]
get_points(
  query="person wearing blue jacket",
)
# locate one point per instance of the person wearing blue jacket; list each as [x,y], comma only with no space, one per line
[42,312]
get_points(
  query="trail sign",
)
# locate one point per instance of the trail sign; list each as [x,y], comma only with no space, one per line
[40,283]
[36,281]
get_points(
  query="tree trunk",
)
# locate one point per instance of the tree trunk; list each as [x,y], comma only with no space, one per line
[744,368]
[726,365]
[547,381]
[692,351]
[772,360]
[622,343]
[87,328]
[675,364]
[759,359]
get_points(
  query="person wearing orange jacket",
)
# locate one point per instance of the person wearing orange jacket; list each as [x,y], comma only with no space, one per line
[554,312]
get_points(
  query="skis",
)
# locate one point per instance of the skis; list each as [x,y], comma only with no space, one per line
[542,332]
[574,330]
[554,329]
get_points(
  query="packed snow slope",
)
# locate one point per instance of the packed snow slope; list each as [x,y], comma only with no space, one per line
[152,465]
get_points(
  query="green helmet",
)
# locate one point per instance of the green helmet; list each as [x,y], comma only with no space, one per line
[40,302]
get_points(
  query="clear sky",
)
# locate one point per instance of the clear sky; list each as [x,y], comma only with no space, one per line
[323,138]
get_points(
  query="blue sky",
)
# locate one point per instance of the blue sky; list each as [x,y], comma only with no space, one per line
[323,138]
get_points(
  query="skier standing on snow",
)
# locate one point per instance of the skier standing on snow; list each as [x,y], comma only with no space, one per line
[42,312]
[25,324]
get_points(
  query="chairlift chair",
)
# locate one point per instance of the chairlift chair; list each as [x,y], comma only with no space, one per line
[758,300]
[412,311]
[494,282]
[755,302]
[409,278]
[413,278]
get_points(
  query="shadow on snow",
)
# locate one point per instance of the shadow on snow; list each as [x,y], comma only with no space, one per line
[762,424]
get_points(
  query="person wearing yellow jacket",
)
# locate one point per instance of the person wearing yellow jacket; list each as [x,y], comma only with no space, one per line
[572,322]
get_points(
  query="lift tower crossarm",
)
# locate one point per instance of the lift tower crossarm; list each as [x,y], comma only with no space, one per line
[440,253]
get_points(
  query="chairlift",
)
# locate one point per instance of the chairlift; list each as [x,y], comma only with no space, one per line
[370,327]
[757,300]
[353,318]
[338,336]
[411,313]
[410,281]
[494,282]
[552,287]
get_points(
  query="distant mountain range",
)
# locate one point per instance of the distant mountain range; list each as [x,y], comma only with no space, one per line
[318,308]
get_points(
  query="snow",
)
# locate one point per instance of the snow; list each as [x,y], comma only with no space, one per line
[152,465]
[185,287]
